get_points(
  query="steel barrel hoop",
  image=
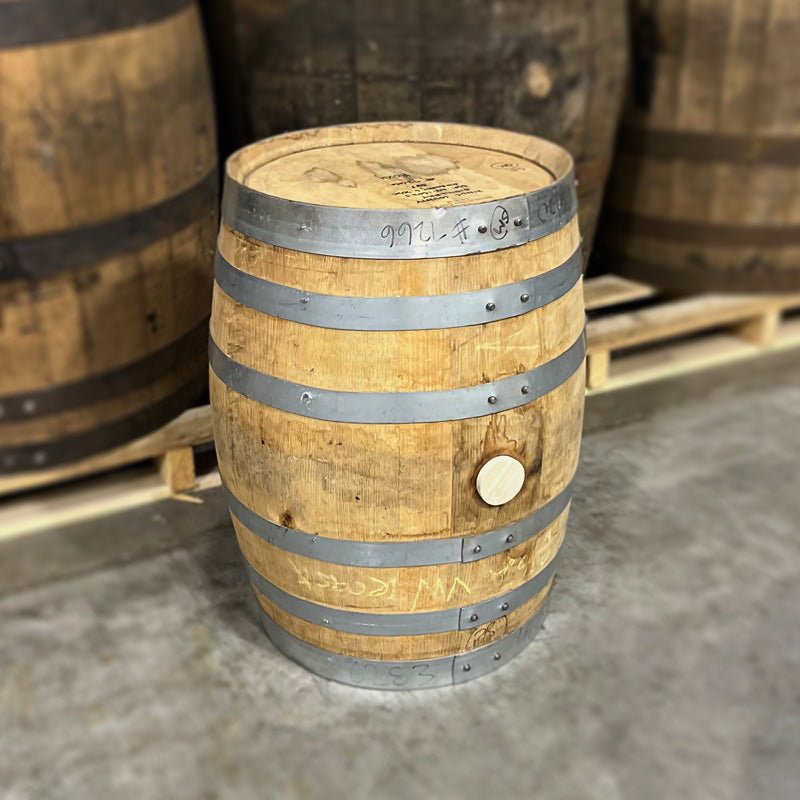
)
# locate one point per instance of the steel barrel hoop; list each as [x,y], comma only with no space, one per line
[400,675]
[421,553]
[375,233]
[398,407]
[430,312]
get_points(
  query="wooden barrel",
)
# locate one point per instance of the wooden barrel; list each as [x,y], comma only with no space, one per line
[397,386]
[704,194]
[108,196]
[554,70]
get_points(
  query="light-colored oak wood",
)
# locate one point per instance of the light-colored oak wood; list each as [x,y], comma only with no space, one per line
[397,482]
[612,290]
[597,366]
[761,330]
[95,130]
[674,318]
[177,469]
[500,480]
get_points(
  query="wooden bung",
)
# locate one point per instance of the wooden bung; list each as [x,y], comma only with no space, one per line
[397,388]
[108,198]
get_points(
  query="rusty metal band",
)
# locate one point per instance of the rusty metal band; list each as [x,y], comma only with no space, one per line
[710,147]
[107,385]
[42,455]
[24,23]
[420,553]
[41,256]
[705,233]
[428,312]
[399,233]
[382,408]
[418,623]
[404,675]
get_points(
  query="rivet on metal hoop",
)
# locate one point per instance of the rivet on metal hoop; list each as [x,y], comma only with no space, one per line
[490,306]
[523,298]
[28,406]
[518,222]
[497,656]
[481,229]
[510,538]
[504,607]
[466,667]
[525,389]
[492,399]
[473,618]
[477,548]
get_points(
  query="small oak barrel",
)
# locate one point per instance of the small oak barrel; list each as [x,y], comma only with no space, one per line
[108,197]
[397,385]
[704,193]
[554,70]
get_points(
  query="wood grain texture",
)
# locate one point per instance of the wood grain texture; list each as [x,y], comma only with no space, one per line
[551,69]
[393,482]
[499,480]
[95,130]
[705,189]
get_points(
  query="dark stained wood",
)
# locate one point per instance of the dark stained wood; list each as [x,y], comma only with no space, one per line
[704,196]
[554,70]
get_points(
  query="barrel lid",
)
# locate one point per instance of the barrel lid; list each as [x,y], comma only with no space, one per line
[399,190]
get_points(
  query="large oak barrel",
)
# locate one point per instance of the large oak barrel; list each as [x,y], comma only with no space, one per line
[397,387]
[705,187]
[108,196]
[554,70]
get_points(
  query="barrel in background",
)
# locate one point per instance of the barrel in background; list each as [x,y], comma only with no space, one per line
[108,197]
[554,70]
[704,194]
[397,386]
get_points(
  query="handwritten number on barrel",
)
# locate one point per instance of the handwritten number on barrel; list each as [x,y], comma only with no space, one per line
[422,238]
[405,226]
[499,226]
[423,671]
[388,233]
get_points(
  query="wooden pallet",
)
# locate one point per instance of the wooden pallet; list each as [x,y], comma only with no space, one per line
[170,448]
[626,346]
[661,338]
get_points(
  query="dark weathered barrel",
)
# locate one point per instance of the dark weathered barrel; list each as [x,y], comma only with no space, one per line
[705,188]
[397,384]
[554,70]
[107,219]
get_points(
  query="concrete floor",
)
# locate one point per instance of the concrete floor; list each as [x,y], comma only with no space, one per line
[133,664]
